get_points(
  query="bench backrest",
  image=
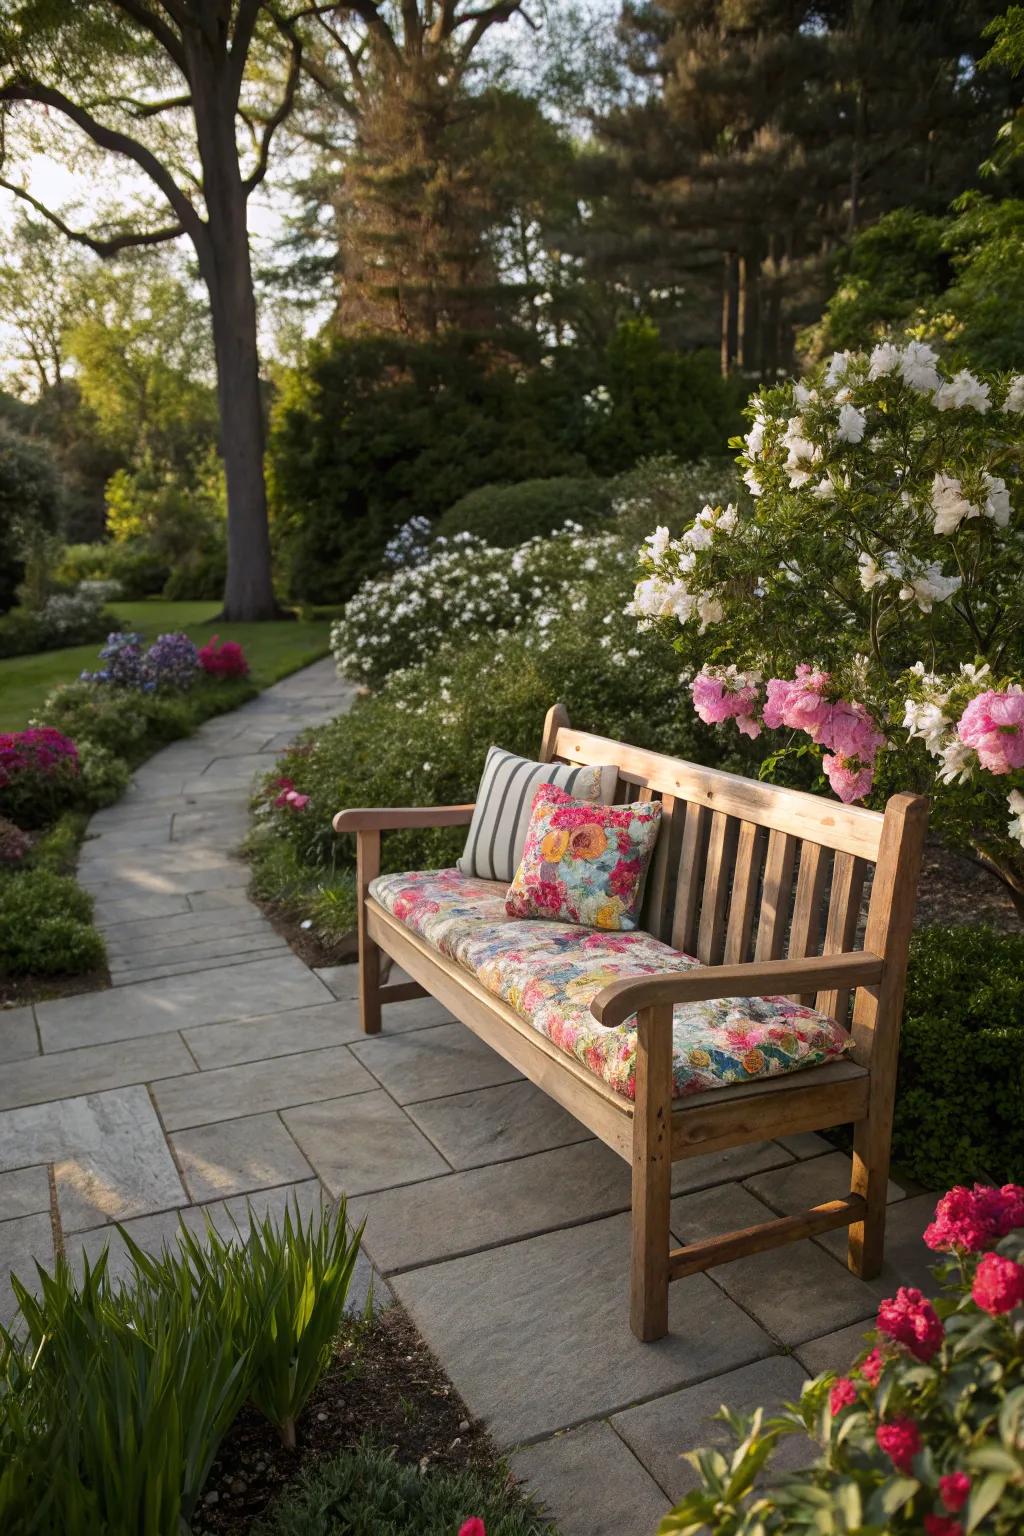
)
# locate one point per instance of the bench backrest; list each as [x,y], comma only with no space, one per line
[750,871]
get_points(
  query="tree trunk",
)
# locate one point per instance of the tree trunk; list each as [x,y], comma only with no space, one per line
[223,251]
[728,307]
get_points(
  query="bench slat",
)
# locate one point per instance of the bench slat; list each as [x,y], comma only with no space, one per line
[805,929]
[848,876]
[718,867]
[690,879]
[778,886]
[745,885]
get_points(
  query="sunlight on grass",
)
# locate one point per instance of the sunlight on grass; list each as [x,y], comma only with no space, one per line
[273,650]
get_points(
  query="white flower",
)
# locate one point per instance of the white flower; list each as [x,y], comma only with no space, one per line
[727,520]
[972,673]
[963,389]
[997,502]
[917,365]
[873,574]
[802,453]
[755,437]
[957,761]
[825,489]
[1015,802]
[928,587]
[657,542]
[926,721]
[709,611]
[750,477]
[802,395]
[884,359]
[851,424]
[949,504]
[698,537]
[1015,395]
[836,370]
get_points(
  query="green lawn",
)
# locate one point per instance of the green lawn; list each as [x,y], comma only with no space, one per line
[273,650]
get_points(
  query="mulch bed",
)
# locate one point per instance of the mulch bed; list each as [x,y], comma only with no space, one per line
[956,890]
[304,941]
[385,1384]
[18,991]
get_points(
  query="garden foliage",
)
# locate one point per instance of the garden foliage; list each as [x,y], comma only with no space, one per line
[115,1397]
[505,516]
[925,1434]
[868,593]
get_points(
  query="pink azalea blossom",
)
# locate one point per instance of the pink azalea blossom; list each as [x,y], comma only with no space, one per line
[993,724]
[850,779]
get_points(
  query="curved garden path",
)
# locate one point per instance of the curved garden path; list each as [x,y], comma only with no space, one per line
[219,1070]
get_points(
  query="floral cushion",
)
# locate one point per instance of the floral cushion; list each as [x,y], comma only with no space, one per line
[549,973]
[584,863]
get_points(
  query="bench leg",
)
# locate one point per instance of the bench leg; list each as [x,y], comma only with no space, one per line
[866,1248]
[652,1175]
[367,869]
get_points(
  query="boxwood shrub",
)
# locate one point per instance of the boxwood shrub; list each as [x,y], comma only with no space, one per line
[507,515]
[961,1071]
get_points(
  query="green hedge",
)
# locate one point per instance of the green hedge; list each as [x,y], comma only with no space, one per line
[960,1092]
[507,515]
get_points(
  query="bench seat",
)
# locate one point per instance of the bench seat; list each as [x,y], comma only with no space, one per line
[550,973]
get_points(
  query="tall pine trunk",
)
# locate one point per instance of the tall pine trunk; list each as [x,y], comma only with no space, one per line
[223,251]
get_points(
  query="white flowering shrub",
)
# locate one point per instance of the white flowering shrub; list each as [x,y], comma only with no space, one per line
[466,589]
[868,594]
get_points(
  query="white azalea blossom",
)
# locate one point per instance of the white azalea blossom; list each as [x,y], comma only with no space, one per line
[751,481]
[1015,826]
[958,762]
[836,370]
[885,359]
[657,542]
[949,504]
[1015,394]
[926,720]
[851,424]
[918,367]
[963,389]
[928,586]
[997,502]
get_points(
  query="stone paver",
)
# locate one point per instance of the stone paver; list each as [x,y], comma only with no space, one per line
[233,1157]
[363,1143]
[18,1037]
[220,1074]
[592,1484]
[232,1092]
[535,1334]
[660,1431]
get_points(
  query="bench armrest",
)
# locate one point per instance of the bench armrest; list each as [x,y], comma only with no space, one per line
[759,978]
[401,817]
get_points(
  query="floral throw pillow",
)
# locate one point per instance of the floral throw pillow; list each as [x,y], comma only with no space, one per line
[584,863]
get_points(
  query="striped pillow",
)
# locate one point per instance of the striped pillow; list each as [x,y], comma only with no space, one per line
[497,833]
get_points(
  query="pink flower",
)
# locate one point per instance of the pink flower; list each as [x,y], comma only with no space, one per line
[942,1525]
[998,1284]
[748,726]
[849,777]
[871,1367]
[777,692]
[709,699]
[901,1441]
[910,1319]
[993,724]
[806,708]
[732,697]
[975,1218]
[227,660]
[953,1490]
[473,1527]
[842,1395]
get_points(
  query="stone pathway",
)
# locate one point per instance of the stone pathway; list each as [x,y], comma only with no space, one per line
[220,1070]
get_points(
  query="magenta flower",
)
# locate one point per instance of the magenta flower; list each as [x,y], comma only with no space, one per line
[842,1395]
[998,1284]
[976,1218]
[942,1525]
[993,724]
[901,1441]
[910,1319]
[954,1488]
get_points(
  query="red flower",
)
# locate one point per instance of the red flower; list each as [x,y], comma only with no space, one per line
[953,1490]
[473,1527]
[871,1367]
[901,1441]
[942,1525]
[623,878]
[998,1284]
[842,1395]
[910,1318]
[975,1218]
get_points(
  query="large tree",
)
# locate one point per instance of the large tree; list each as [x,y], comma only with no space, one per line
[169,89]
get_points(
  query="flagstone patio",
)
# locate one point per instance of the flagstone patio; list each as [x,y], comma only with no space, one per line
[220,1070]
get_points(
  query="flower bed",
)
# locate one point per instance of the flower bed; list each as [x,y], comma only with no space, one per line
[925,1434]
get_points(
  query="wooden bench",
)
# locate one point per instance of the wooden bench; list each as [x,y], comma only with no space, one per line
[764,886]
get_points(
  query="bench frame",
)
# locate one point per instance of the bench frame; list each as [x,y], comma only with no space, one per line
[727,854]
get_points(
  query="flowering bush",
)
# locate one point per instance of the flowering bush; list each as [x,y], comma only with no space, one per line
[223,658]
[172,661]
[868,593]
[465,589]
[62,619]
[38,774]
[14,843]
[925,1434]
